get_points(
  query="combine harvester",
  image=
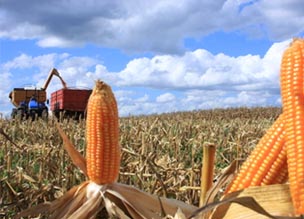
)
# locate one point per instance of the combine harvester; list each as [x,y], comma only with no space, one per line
[31,102]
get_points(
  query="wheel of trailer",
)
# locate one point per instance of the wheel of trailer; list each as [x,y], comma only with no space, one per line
[56,113]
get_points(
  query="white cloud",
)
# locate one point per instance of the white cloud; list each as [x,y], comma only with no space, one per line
[272,59]
[246,98]
[42,62]
[165,98]
[129,104]
[163,83]
[143,99]
[202,99]
[6,81]
[183,81]
[280,20]
[139,26]
[54,41]
[201,70]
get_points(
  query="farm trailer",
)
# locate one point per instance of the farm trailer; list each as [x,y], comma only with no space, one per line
[69,102]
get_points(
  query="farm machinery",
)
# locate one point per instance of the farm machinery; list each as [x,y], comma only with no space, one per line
[70,102]
[31,102]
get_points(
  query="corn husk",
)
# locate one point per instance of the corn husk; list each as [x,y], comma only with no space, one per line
[259,202]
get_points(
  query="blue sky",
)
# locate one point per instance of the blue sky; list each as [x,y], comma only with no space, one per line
[162,57]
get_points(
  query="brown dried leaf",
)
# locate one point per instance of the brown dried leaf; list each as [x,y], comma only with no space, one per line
[225,177]
[9,139]
[76,157]
[247,208]
[142,205]
[257,201]
[28,178]
[122,201]
[73,204]
[34,211]
[179,214]
[114,210]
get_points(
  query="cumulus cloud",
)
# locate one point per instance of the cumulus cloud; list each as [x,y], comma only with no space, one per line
[139,26]
[5,78]
[166,97]
[204,80]
[171,77]
[26,61]
[163,83]
[280,19]
[200,69]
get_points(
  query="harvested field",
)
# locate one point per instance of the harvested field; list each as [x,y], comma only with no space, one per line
[161,154]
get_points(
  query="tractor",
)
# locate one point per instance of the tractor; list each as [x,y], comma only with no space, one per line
[30,102]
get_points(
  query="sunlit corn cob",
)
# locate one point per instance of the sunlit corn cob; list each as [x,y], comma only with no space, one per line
[266,163]
[102,136]
[292,89]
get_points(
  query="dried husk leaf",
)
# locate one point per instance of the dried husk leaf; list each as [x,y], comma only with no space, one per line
[225,177]
[62,207]
[114,210]
[122,201]
[76,157]
[179,214]
[89,208]
[142,205]
[273,201]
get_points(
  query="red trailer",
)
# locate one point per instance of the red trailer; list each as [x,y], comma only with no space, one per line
[69,102]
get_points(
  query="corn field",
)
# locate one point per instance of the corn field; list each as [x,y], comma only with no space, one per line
[161,154]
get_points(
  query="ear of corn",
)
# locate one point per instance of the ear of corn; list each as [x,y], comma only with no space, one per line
[102,135]
[264,164]
[292,85]
[285,138]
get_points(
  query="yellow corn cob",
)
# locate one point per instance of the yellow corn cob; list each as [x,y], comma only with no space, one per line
[102,135]
[292,84]
[278,172]
[265,163]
